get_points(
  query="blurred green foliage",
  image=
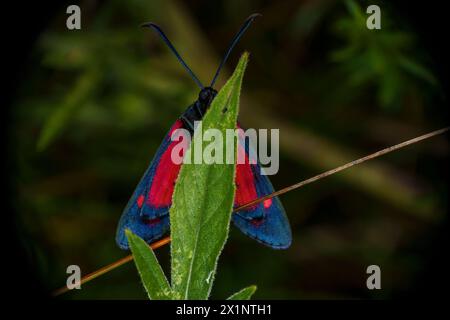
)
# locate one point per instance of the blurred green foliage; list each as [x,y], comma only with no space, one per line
[383,59]
[97,103]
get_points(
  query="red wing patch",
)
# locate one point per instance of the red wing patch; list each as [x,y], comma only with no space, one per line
[161,190]
[245,183]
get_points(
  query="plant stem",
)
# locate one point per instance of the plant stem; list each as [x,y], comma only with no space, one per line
[110,267]
[346,166]
[166,240]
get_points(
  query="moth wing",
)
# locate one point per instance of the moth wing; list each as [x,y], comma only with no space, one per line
[147,212]
[265,222]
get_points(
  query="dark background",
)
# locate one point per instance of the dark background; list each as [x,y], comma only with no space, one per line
[341,224]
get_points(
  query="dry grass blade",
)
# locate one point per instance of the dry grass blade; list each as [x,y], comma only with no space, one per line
[166,240]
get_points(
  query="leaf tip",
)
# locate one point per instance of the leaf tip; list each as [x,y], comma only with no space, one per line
[244,58]
[128,233]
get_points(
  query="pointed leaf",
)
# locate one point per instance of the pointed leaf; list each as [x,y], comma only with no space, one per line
[152,276]
[202,202]
[244,294]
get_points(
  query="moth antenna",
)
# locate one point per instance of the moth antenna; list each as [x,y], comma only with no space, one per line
[172,48]
[235,40]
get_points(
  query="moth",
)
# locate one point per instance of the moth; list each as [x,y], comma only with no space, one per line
[147,212]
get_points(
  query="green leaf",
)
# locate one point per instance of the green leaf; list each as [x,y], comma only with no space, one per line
[417,70]
[202,202]
[355,11]
[244,294]
[61,116]
[152,276]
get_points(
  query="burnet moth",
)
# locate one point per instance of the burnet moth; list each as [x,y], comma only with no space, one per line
[147,211]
